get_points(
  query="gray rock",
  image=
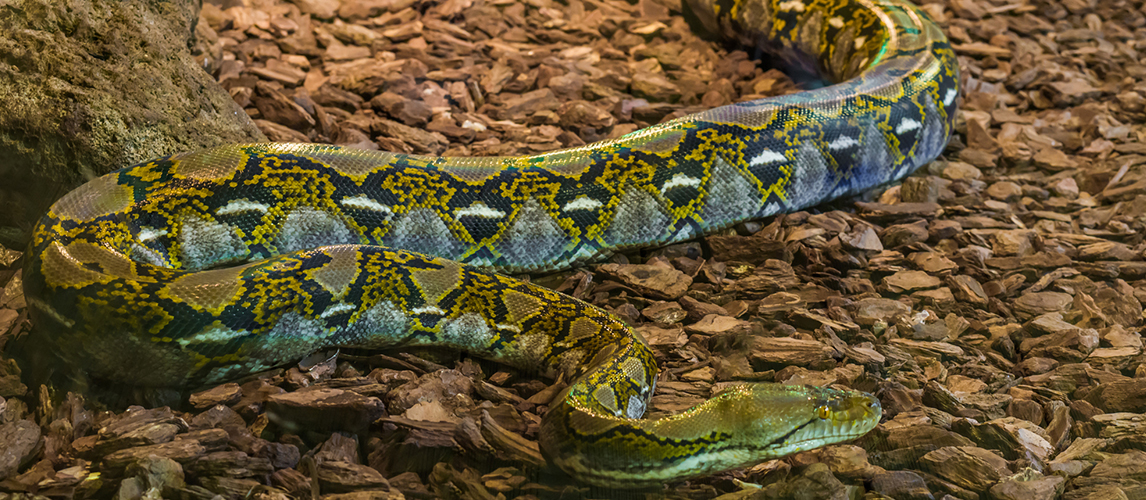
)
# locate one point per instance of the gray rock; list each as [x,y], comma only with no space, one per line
[22,443]
[95,85]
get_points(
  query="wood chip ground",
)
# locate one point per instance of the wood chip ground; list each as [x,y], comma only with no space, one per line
[993,301]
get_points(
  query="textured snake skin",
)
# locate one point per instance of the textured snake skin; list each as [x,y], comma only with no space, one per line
[203,267]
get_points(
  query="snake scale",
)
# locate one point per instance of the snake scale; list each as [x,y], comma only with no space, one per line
[203,267]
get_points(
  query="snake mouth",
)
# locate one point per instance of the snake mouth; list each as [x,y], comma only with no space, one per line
[816,440]
[843,417]
[822,430]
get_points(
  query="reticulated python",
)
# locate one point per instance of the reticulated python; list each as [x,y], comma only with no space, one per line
[202,267]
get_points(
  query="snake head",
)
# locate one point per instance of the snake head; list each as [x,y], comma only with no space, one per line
[742,426]
[778,420]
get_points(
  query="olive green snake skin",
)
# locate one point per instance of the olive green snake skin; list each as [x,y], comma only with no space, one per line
[204,267]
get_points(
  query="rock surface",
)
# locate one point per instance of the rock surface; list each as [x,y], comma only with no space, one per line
[90,86]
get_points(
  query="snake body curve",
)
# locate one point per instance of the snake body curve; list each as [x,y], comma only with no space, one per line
[202,267]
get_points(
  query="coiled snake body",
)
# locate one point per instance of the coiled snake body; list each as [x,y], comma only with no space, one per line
[203,267]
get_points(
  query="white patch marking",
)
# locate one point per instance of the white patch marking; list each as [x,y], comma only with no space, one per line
[204,243]
[378,323]
[636,408]
[639,219]
[475,126]
[582,203]
[308,227]
[422,230]
[949,97]
[842,142]
[811,178]
[337,309]
[836,22]
[768,156]
[859,41]
[361,202]
[212,333]
[795,5]
[468,331]
[144,254]
[907,125]
[534,235]
[150,233]
[429,310]
[731,197]
[505,326]
[239,206]
[479,209]
[679,180]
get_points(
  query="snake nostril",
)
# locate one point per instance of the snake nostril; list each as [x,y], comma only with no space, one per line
[873,406]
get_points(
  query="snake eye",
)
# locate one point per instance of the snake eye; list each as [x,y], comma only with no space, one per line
[823,412]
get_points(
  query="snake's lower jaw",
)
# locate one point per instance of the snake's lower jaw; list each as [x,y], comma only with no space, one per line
[789,419]
[743,425]
[848,416]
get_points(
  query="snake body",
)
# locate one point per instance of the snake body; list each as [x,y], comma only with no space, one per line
[202,267]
